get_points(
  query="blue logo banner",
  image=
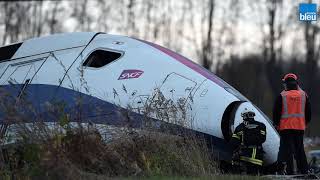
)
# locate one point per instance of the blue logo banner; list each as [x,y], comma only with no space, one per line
[307,12]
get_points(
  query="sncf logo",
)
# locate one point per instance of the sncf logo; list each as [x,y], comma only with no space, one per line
[130,74]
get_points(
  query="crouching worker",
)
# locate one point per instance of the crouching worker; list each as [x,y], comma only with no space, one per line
[247,142]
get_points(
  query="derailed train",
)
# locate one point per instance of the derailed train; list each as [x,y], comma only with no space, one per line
[111,72]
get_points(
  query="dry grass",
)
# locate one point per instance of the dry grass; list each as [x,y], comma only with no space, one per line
[76,155]
[65,150]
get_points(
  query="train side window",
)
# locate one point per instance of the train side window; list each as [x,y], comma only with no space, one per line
[100,58]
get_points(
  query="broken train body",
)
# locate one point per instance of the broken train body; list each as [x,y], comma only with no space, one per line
[110,72]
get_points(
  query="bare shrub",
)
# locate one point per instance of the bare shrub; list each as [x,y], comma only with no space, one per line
[67,148]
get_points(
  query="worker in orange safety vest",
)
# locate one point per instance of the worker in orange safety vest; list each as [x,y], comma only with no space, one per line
[291,114]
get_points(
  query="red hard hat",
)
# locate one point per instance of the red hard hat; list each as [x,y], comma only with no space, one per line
[290,75]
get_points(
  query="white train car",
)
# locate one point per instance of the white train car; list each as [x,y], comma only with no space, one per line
[111,72]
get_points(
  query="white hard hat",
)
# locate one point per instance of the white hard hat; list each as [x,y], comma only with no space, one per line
[248,113]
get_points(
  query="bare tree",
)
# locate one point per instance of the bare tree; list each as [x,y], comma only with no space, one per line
[207,49]
[271,38]
[131,17]
[53,21]
[81,15]
[149,5]
[311,33]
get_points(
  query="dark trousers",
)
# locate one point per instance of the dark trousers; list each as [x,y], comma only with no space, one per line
[252,169]
[291,146]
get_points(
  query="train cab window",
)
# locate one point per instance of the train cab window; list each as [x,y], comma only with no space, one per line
[7,52]
[101,58]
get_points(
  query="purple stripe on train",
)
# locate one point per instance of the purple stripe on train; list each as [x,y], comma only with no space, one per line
[204,72]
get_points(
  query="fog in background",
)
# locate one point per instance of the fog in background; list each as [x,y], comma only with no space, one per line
[251,44]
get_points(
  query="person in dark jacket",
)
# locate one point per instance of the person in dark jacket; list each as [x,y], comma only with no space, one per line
[247,142]
[291,114]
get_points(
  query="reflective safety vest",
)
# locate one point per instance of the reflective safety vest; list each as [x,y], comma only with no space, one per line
[293,110]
